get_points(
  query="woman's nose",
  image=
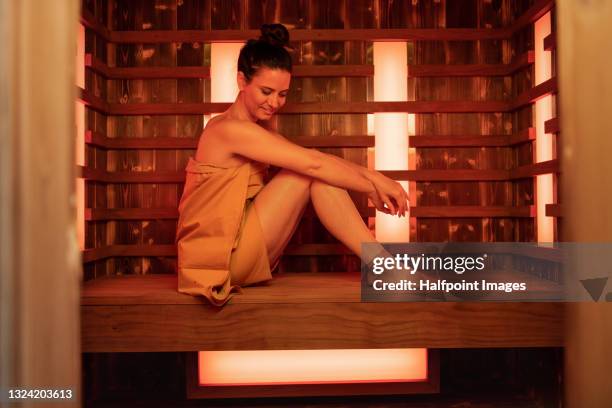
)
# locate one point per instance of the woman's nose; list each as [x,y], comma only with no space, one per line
[273,102]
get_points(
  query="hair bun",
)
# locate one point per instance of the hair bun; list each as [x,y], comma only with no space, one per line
[275,34]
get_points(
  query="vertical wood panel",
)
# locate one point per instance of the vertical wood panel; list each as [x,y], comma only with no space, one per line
[39,254]
[585,118]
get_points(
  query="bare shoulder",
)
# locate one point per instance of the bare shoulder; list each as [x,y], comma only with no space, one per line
[228,126]
[213,146]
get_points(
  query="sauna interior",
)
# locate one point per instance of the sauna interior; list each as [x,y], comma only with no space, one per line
[476,72]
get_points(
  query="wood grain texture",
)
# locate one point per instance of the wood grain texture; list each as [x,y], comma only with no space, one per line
[430,70]
[530,170]
[585,106]
[524,136]
[539,91]
[40,273]
[89,21]
[465,106]
[355,34]
[146,313]
[411,175]
[537,10]
[98,139]
[451,70]
[97,214]
[328,249]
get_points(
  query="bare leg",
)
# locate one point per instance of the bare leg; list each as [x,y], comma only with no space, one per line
[281,202]
[279,206]
[338,214]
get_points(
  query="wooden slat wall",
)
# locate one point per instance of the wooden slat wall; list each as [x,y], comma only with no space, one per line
[477,157]
[96,12]
[159,231]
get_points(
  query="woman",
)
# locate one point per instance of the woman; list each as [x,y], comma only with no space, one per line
[232,228]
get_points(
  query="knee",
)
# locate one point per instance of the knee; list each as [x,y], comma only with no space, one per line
[294,179]
[318,185]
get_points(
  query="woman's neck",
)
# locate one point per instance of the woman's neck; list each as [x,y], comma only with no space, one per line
[239,111]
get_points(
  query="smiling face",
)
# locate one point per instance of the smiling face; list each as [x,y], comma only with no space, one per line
[266,92]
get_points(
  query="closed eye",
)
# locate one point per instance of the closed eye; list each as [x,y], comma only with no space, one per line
[268,91]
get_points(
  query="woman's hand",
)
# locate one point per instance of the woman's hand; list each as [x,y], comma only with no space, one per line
[390,193]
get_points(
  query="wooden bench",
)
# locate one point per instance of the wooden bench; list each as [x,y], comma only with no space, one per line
[146,313]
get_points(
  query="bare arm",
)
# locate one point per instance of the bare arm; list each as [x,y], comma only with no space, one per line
[251,140]
[388,191]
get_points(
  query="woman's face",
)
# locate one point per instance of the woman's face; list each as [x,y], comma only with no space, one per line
[266,93]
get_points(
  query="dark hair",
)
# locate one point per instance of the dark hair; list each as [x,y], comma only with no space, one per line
[270,50]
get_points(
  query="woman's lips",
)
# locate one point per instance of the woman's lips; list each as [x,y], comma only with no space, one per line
[269,112]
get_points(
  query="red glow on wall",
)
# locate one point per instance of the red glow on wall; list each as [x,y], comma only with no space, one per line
[274,367]
[544,142]
[391,129]
[80,137]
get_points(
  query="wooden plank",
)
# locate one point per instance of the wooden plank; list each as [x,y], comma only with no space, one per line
[95,254]
[100,140]
[90,174]
[524,136]
[458,141]
[553,210]
[133,313]
[530,96]
[131,176]
[447,175]
[410,175]
[40,276]
[530,170]
[354,34]
[537,10]
[584,65]
[98,214]
[204,72]
[550,42]
[453,70]
[316,107]
[145,72]
[362,141]
[96,65]
[475,211]
[430,70]
[552,126]
[410,34]
[159,250]
[89,21]
[539,91]
[164,250]
[167,108]
[333,70]
[92,101]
